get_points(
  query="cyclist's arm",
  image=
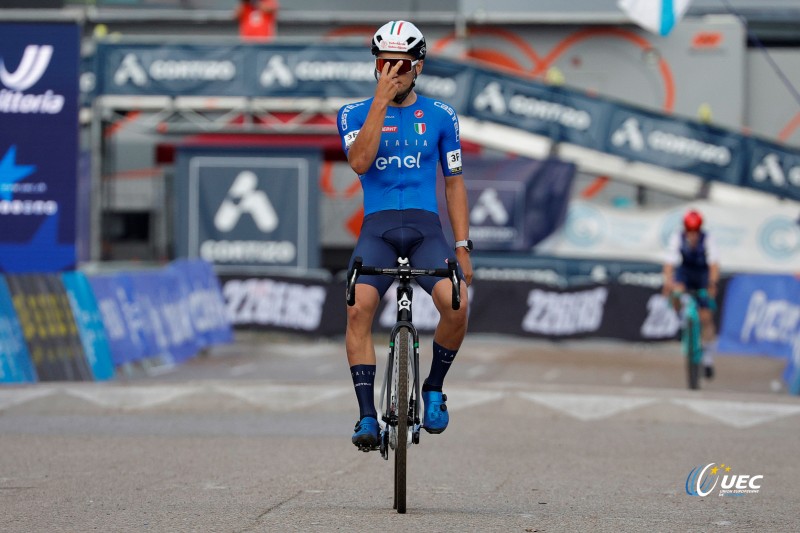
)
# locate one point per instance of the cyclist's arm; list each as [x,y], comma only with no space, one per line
[712,257]
[364,148]
[671,259]
[455,193]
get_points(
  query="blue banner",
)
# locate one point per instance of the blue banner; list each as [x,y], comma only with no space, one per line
[206,305]
[38,146]
[121,317]
[15,361]
[515,203]
[762,316]
[90,325]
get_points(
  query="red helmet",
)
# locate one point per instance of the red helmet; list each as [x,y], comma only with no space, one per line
[692,221]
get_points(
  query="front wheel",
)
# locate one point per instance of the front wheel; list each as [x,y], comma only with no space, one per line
[402,349]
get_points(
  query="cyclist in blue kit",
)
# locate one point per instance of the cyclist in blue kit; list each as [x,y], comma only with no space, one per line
[395,141]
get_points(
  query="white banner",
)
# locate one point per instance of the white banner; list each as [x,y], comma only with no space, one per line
[749,239]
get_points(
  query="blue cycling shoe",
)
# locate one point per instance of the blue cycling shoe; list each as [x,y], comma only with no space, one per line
[366,437]
[436,415]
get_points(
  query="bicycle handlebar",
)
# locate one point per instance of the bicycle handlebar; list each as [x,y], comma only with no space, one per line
[359,269]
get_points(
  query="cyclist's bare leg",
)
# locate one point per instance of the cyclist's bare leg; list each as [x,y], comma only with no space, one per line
[452,323]
[358,337]
[708,335]
[707,323]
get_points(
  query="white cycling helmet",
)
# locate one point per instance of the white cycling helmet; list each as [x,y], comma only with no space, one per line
[399,36]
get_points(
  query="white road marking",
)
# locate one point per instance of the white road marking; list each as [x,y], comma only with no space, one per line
[739,414]
[587,406]
[281,397]
[291,397]
[16,396]
[132,397]
[458,399]
[551,375]
[477,370]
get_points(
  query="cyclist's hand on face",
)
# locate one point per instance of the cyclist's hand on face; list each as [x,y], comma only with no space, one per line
[388,83]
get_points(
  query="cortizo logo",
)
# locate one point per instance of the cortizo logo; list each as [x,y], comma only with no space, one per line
[130,70]
[703,480]
[409,161]
[244,197]
[493,99]
[489,206]
[630,133]
[277,73]
[33,65]
[770,169]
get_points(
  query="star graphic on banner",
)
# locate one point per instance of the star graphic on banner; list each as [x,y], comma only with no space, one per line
[714,470]
[10,172]
[54,256]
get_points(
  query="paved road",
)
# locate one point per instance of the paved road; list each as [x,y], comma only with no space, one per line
[544,437]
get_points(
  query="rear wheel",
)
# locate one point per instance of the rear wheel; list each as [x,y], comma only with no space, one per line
[402,353]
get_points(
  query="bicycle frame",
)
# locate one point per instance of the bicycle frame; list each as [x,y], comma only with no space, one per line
[399,406]
[691,335]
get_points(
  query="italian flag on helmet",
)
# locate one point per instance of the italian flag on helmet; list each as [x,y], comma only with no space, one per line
[399,36]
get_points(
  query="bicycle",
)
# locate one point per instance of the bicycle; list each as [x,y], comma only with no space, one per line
[691,333]
[399,416]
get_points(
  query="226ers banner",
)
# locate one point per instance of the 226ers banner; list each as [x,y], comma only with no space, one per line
[39,66]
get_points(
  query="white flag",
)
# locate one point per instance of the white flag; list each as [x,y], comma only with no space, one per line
[657,16]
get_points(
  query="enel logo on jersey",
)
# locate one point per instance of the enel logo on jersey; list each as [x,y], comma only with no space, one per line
[409,161]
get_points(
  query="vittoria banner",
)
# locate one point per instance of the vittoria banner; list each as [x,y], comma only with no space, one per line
[38,146]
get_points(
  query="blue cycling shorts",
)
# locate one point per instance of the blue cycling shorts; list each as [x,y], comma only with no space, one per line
[413,233]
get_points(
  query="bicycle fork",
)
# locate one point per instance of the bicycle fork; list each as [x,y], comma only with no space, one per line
[388,401]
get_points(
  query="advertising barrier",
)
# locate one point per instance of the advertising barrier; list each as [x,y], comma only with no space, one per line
[561,114]
[761,316]
[38,146]
[48,326]
[170,313]
[73,327]
[90,325]
[15,361]
[616,311]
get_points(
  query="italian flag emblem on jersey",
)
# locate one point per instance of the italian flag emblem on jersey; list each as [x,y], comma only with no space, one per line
[419,127]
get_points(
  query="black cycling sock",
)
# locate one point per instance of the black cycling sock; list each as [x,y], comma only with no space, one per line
[364,383]
[440,364]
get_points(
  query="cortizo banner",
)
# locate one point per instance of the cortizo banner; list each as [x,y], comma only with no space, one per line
[239,208]
[562,114]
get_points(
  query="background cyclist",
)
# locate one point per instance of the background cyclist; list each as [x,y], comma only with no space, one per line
[395,141]
[692,264]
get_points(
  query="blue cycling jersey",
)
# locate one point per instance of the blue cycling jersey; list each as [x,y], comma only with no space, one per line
[415,139]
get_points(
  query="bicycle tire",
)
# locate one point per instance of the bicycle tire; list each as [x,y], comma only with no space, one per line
[692,363]
[403,346]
